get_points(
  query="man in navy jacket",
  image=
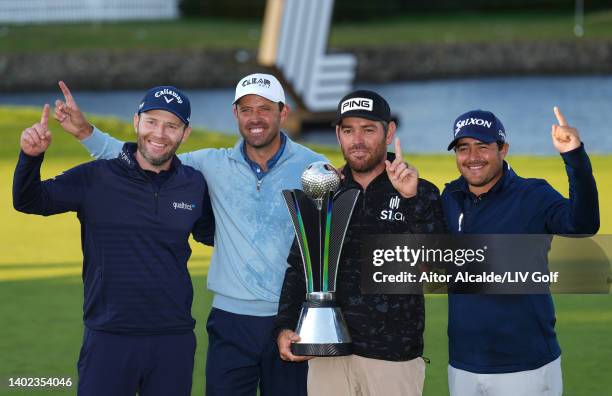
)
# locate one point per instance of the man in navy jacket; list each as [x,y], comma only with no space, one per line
[136,212]
[506,344]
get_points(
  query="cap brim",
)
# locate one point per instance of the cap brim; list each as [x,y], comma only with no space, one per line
[366,116]
[165,109]
[253,93]
[474,135]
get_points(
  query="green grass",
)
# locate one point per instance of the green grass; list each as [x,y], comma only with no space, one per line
[14,119]
[215,33]
[42,331]
[41,291]
[471,27]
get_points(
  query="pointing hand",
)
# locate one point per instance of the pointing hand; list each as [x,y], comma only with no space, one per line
[36,139]
[565,138]
[404,178]
[69,115]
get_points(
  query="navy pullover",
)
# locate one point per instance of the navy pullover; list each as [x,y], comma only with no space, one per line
[509,333]
[134,235]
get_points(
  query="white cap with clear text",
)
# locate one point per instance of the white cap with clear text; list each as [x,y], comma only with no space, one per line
[264,85]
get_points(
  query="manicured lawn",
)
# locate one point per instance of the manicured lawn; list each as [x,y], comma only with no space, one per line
[218,33]
[41,291]
[41,335]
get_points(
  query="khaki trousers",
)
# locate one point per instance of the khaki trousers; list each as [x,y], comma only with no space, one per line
[359,376]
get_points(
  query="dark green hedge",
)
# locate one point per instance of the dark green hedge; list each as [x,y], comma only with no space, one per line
[354,10]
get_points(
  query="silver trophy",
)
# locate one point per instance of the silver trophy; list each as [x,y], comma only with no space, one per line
[321,219]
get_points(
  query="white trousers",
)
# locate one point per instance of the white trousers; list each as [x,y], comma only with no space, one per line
[543,381]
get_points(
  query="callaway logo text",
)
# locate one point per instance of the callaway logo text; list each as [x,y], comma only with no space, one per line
[170,92]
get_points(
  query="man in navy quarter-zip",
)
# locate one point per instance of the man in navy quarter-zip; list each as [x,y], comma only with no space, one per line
[136,212]
[506,344]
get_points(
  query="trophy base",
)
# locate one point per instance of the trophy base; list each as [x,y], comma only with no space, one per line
[321,327]
[322,350]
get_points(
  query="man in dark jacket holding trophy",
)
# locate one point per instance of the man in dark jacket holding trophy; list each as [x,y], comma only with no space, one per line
[386,329]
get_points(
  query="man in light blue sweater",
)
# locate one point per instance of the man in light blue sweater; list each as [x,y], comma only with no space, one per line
[253,234]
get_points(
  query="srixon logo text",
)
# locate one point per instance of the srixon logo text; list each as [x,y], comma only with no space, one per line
[472,121]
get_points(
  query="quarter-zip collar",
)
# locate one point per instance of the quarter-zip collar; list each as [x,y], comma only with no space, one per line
[460,191]
[127,157]
[238,153]
[285,152]
[271,162]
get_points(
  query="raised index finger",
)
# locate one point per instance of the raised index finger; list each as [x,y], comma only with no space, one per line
[67,94]
[44,118]
[559,116]
[398,149]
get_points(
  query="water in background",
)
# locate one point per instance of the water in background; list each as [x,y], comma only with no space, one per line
[426,110]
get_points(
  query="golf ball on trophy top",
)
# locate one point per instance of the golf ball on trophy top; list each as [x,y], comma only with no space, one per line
[319,178]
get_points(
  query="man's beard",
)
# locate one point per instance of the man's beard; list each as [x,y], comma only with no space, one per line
[370,162]
[156,161]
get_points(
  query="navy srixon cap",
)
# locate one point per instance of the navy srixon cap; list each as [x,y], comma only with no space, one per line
[480,125]
[169,98]
[363,104]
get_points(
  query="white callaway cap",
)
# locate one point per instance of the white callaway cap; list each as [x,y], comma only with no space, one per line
[265,85]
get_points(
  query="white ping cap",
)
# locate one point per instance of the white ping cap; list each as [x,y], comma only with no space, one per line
[264,85]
